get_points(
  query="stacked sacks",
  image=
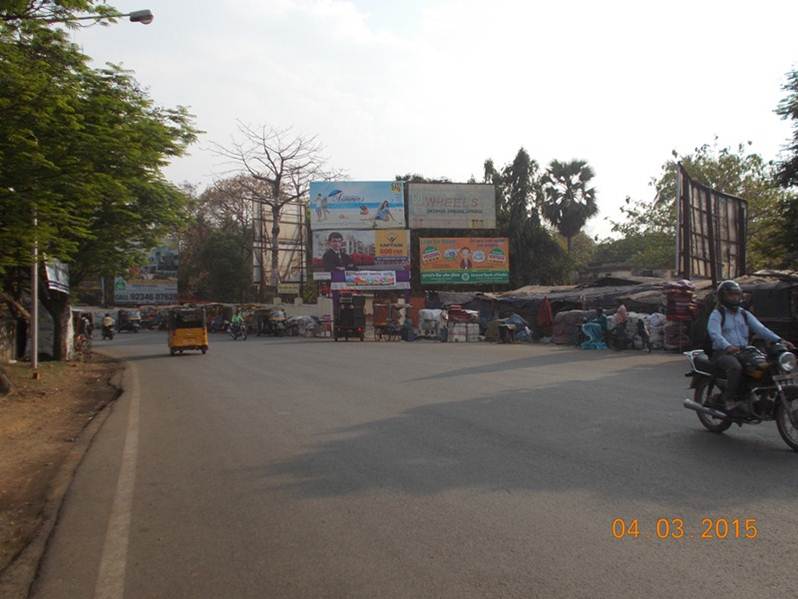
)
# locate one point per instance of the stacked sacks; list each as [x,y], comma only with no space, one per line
[656,329]
[681,309]
[567,325]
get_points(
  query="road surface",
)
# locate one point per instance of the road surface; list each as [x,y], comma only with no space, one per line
[307,468]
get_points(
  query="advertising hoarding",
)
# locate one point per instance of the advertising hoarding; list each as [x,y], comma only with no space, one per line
[57,275]
[357,205]
[464,260]
[153,283]
[145,291]
[451,206]
[387,249]
[711,239]
[370,280]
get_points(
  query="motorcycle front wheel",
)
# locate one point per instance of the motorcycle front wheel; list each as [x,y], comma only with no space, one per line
[714,425]
[787,431]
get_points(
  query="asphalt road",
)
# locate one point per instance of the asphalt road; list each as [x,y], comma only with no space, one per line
[307,468]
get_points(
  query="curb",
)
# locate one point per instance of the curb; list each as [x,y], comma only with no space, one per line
[16,581]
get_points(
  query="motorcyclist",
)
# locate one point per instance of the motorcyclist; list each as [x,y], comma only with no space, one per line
[237,321]
[108,321]
[729,328]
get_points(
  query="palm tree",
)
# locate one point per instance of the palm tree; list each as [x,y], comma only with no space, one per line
[567,201]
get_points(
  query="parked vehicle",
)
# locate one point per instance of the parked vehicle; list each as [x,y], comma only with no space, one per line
[769,389]
[128,320]
[187,330]
[350,318]
[271,321]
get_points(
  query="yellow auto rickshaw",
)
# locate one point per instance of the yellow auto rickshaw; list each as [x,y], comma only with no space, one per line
[187,330]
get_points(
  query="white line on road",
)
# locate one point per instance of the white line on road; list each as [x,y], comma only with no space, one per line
[111,576]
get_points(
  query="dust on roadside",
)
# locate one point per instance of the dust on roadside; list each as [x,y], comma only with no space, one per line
[39,422]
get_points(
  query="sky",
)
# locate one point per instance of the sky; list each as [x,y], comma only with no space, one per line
[437,87]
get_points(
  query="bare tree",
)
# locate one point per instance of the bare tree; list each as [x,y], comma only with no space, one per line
[275,168]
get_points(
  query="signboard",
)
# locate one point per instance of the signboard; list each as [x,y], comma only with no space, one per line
[57,276]
[370,280]
[153,283]
[464,260]
[357,205]
[145,291]
[451,206]
[711,239]
[288,288]
[387,249]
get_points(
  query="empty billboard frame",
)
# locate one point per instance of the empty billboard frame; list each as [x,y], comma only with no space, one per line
[711,233]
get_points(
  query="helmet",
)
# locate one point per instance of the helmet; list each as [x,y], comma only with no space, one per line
[726,288]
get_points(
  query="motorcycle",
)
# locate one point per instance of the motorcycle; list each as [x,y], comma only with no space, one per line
[769,391]
[238,330]
[108,333]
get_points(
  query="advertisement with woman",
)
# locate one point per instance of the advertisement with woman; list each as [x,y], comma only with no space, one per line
[357,205]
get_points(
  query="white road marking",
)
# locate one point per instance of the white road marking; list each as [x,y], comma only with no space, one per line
[111,576]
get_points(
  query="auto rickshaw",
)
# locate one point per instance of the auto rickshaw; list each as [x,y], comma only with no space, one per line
[187,330]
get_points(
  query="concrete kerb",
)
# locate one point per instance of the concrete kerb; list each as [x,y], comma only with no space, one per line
[18,578]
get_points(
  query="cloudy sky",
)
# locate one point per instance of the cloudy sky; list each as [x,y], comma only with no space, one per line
[438,86]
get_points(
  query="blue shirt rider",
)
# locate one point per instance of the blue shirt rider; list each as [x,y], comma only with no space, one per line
[730,327]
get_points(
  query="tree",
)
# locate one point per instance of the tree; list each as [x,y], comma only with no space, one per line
[216,246]
[788,110]
[275,168]
[568,201]
[535,257]
[648,229]
[81,150]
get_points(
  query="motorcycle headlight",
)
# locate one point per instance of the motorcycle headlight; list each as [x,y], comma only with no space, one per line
[787,361]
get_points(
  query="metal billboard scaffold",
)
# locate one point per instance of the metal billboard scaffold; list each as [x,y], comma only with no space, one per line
[712,230]
[290,244]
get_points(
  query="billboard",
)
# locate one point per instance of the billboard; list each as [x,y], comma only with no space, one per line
[464,260]
[341,250]
[153,283]
[357,205]
[712,231]
[370,280]
[451,206]
[57,275]
[145,291]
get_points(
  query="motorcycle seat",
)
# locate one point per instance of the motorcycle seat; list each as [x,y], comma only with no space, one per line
[703,363]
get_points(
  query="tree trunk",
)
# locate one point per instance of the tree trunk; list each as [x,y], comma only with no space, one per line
[275,247]
[5,383]
[57,304]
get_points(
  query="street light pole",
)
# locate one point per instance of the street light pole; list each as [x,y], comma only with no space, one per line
[34,308]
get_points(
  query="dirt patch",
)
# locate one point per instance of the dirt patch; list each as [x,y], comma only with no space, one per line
[39,422]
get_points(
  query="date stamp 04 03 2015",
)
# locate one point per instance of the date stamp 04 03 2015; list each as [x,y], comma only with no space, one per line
[711,529]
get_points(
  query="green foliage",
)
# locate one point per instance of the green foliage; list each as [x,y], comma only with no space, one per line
[216,246]
[568,200]
[535,256]
[788,109]
[649,227]
[81,148]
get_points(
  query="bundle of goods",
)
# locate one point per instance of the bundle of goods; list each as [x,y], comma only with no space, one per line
[567,325]
[463,332]
[681,306]
[656,330]
[456,313]
[677,335]
[430,322]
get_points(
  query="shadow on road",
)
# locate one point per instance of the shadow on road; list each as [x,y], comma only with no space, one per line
[554,357]
[554,438]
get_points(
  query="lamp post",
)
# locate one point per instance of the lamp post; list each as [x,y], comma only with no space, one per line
[145,17]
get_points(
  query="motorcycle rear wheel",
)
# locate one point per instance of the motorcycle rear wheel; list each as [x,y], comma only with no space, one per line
[788,432]
[713,425]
